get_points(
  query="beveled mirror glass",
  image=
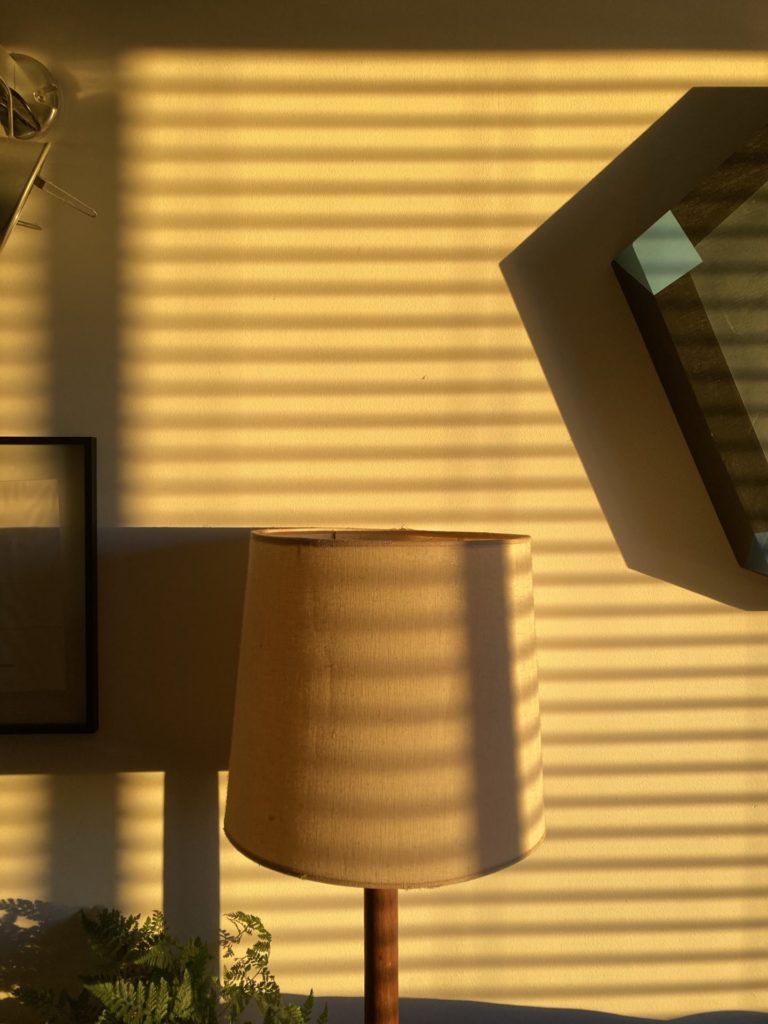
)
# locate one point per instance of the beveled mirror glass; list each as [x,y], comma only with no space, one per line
[696,282]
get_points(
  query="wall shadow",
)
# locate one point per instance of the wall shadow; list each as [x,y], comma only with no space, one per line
[596,363]
[82,293]
[494,710]
[191,854]
[498,588]
[170,607]
[402,25]
[445,1011]
[82,805]
[41,944]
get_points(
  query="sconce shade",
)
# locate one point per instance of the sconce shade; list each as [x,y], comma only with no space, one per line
[29,96]
[386,725]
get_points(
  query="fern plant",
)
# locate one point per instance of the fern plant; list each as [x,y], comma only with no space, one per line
[145,975]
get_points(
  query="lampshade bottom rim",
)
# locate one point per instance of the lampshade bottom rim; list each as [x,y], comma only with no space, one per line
[367,884]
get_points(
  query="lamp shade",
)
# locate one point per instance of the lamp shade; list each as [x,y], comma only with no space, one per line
[386,725]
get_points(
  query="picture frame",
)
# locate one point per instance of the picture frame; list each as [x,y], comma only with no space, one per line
[694,281]
[48,681]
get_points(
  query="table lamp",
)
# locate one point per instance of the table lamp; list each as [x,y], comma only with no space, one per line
[386,724]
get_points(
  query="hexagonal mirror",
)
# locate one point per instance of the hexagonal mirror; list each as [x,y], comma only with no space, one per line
[697,283]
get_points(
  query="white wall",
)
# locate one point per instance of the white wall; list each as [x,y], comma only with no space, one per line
[290,311]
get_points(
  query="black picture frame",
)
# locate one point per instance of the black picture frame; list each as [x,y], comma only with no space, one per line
[714,373]
[48,666]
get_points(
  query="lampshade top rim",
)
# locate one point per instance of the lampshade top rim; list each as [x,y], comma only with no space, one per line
[372,536]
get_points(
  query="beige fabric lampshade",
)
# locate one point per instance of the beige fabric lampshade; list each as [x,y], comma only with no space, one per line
[386,726]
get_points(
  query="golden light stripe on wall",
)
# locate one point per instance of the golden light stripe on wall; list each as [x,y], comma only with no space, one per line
[314,329]
[139,842]
[25,809]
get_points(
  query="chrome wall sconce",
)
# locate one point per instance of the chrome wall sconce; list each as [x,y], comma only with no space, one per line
[29,97]
[29,102]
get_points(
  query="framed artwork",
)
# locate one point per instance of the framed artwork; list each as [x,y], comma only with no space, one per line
[697,283]
[47,585]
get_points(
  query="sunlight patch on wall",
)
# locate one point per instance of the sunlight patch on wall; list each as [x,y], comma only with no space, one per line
[25,385]
[314,325]
[317,930]
[639,927]
[315,331]
[648,895]
[25,855]
[139,842]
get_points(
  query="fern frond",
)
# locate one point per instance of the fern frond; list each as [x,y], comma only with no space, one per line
[245,925]
[158,1002]
[184,1002]
[289,1014]
[154,926]
[160,956]
[83,1009]
[144,975]
[56,1009]
[195,956]
[124,1000]
[306,1008]
[112,936]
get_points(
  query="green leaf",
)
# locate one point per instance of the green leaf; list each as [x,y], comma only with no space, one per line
[112,936]
[125,1000]
[184,1003]
[146,976]
[306,1008]
[160,956]
[289,1014]
[158,1002]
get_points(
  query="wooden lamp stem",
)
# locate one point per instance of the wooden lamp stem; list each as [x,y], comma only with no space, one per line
[381,982]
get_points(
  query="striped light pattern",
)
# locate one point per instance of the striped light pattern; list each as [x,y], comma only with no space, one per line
[386,725]
[313,328]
